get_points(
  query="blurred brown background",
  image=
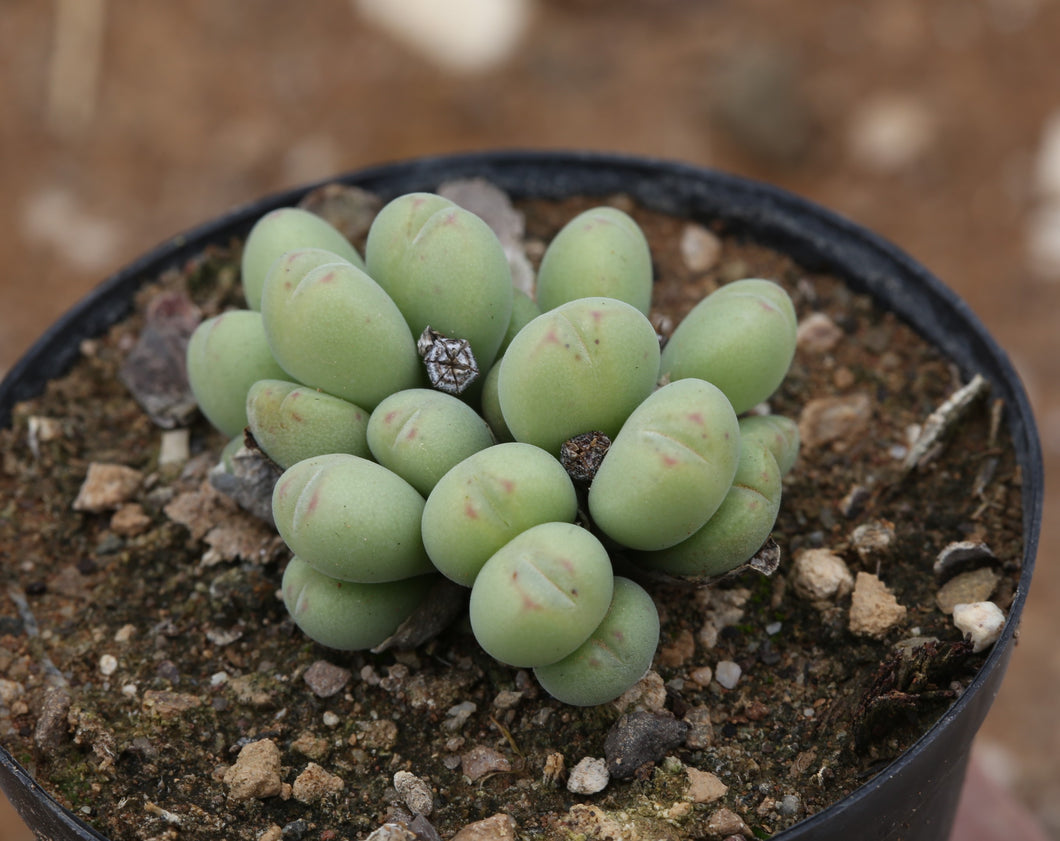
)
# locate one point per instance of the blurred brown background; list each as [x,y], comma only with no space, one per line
[934,122]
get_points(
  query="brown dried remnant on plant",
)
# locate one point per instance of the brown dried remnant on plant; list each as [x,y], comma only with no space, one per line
[582,455]
[451,366]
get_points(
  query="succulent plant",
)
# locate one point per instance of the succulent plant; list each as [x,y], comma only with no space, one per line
[488,499]
[226,355]
[541,595]
[601,252]
[370,351]
[741,338]
[420,433]
[445,269]
[282,230]
[616,655]
[608,446]
[585,365]
[291,422]
[670,467]
[351,519]
[345,615]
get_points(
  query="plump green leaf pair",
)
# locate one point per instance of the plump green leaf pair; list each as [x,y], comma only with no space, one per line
[548,600]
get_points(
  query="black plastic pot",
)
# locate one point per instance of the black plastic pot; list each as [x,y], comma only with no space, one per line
[915,797]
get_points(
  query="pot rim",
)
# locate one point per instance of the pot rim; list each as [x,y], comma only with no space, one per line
[815,237]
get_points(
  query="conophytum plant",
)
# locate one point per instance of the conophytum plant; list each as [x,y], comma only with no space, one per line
[431,422]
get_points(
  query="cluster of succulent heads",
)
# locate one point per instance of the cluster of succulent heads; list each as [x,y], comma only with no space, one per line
[430,420]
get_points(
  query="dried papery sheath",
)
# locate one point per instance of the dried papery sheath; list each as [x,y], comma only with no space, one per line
[451,366]
[943,419]
[581,455]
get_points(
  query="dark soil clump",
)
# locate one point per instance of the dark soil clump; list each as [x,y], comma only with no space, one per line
[143,645]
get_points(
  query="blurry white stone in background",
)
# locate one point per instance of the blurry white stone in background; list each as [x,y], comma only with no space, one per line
[54,218]
[890,132]
[460,35]
[1043,224]
[1047,167]
[1043,241]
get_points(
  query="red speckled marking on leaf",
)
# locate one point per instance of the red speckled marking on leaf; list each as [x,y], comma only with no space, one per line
[329,277]
[314,500]
[470,511]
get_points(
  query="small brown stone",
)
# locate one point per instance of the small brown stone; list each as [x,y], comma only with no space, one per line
[106,487]
[817,333]
[725,823]
[481,760]
[821,575]
[500,827]
[415,792]
[703,786]
[52,728]
[873,608]
[314,784]
[376,735]
[312,746]
[167,704]
[967,588]
[834,420]
[130,520]
[326,679]
[678,652]
[256,772]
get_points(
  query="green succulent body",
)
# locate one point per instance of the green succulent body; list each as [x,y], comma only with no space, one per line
[387,483]
[778,433]
[282,230]
[541,595]
[449,273]
[524,310]
[583,366]
[345,615]
[490,403]
[601,252]
[292,422]
[741,338]
[739,527]
[340,332]
[617,654]
[351,519]
[669,468]
[226,355]
[487,500]
[420,434]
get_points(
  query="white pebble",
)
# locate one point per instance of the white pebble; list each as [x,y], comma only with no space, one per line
[108,665]
[460,35]
[820,575]
[125,633]
[700,248]
[728,673]
[589,776]
[175,447]
[331,719]
[773,628]
[980,622]
[1047,167]
[218,678]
